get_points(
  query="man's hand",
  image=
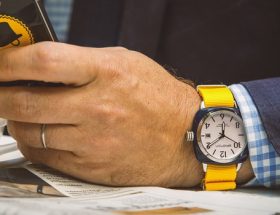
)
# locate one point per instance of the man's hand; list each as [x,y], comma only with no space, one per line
[119,120]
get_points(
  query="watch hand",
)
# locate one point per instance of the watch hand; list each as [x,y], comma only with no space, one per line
[223,128]
[230,139]
[214,142]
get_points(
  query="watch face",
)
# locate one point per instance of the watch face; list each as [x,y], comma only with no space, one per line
[221,136]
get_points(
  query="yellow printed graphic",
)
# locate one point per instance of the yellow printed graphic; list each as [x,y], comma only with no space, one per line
[14,33]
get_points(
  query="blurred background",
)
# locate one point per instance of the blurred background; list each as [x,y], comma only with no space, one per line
[206,41]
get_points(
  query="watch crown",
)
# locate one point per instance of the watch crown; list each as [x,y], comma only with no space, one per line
[189,136]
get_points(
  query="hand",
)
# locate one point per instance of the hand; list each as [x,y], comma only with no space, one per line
[119,120]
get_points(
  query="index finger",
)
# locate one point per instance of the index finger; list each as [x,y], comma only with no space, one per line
[49,62]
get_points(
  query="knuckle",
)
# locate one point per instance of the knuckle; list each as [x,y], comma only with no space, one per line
[105,111]
[110,114]
[42,52]
[44,56]
[137,58]
[114,65]
[120,48]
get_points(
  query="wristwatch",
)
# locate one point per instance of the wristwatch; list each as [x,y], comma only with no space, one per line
[218,137]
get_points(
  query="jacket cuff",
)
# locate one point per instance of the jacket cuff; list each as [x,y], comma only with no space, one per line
[264,159]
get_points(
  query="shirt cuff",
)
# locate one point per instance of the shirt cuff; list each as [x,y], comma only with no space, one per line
[264,159]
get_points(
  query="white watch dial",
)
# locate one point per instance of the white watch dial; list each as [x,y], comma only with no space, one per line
[222,136]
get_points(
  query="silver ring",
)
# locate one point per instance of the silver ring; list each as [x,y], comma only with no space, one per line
[43,136]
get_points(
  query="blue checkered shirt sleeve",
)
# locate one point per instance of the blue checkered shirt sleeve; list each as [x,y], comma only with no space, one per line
[264,159]
[59,12]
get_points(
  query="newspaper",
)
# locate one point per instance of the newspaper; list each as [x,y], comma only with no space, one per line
[151,201]
[71,187]
[40,190]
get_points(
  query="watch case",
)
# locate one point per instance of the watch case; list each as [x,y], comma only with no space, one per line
[201,115]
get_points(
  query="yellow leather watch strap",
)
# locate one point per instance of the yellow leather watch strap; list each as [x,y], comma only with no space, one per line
[216,95]
[218,177]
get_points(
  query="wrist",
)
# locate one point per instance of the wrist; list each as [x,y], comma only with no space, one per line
[245,173]
[191,171]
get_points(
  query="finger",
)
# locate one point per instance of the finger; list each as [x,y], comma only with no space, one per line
[49,62]
[58,137]
[61,160]
[39,105]
[69,163]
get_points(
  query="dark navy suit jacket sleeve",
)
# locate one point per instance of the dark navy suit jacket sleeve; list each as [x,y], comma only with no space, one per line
[266,95]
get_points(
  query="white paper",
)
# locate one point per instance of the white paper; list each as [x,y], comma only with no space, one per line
[251,201]
[233,202]
[71,187]
[9,153]
[241,201]
[6,140]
